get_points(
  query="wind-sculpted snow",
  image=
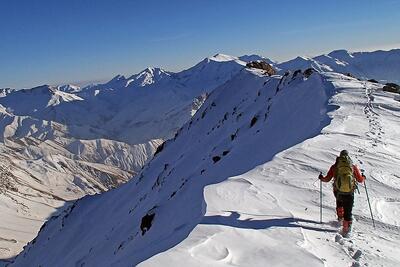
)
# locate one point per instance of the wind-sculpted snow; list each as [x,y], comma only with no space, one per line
[379,65]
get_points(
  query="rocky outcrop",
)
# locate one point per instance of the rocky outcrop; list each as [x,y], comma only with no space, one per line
[307,73]
[259,64]
[392,87]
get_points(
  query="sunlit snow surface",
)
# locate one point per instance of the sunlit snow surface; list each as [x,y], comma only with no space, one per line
[238,184]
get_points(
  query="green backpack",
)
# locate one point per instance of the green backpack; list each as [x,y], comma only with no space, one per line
[345,182]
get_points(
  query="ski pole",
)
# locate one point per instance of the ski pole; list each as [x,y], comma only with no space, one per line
[320,200]
[369,204]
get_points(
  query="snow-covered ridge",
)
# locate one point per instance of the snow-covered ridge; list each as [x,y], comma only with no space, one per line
[380,65]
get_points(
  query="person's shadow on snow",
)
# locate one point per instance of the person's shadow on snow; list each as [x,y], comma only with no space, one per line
[233,221]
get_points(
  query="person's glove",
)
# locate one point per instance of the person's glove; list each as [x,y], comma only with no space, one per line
[363,176]
[320,176]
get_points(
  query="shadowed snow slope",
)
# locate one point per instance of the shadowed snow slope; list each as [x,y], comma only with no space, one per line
[379,65]
[237,185]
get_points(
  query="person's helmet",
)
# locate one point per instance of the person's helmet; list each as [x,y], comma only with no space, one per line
[344,153]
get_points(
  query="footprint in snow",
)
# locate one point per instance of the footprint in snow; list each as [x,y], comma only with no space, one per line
[339,239]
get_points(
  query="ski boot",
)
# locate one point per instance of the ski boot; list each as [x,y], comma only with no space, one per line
[346,229]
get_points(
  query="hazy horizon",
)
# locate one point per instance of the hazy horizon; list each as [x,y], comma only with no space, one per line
[51,42]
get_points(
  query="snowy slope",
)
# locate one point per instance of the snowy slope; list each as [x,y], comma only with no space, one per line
[61,143]
[237,185]
[211,72]
[379,65]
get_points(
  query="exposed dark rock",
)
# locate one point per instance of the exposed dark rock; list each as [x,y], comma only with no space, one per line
[287,73]
[216,159]
[392,87]
[307,73]
[176,135]
[159,149]
[297,72]
[350,75]
[233,136]
[225,153]
[373,81]
[253,121]
[263,66]
[147,221]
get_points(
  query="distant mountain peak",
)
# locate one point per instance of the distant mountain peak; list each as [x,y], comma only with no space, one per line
[153,71]
[303,58]
[148,76]
[340,53]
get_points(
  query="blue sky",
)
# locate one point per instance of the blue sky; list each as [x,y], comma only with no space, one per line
[51,42]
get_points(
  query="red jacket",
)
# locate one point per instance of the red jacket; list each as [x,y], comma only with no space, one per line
[332,173]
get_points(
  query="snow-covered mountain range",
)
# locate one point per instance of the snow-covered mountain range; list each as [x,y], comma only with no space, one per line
[61,143]
[242,170]
[379,65]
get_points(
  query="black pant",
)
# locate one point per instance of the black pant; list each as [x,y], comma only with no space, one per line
[346,201]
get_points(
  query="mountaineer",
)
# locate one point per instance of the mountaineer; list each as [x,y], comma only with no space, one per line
[346,175]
